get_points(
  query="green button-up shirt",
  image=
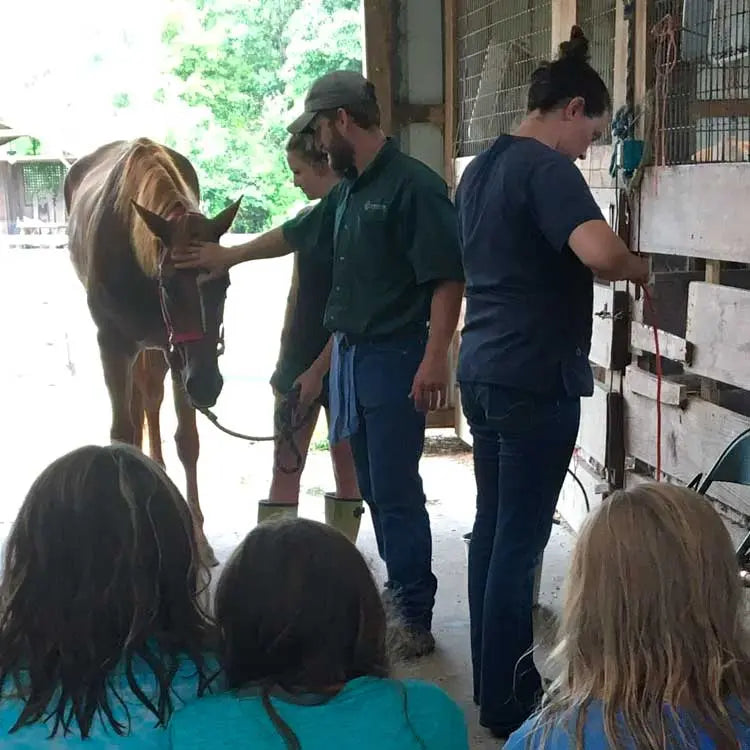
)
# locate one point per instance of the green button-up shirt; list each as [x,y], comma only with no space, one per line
[393,233]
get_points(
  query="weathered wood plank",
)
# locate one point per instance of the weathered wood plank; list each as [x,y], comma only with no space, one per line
[710,388]
[693,210]
[571,504]
[669,292]
[609,343]
[645,384]
[718,327]
[692,439]
[670,346]
[592,431]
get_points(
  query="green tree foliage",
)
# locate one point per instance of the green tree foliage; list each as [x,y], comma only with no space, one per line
[246,65]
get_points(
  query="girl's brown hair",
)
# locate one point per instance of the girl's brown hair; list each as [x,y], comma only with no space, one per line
[300,613]
[101,574]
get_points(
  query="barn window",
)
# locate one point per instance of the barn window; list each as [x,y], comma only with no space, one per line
[500,43]
[597,19]
[42,178]
[701,81]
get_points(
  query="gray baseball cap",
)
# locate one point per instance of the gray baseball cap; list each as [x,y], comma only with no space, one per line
[331,91]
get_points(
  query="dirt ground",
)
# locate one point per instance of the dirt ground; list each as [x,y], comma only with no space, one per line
[54,400]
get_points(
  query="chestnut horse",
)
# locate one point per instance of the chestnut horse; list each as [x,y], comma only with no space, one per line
[130,204]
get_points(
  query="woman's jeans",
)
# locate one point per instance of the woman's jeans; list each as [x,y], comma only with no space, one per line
[523,444]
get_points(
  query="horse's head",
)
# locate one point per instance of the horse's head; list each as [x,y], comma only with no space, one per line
[192,307]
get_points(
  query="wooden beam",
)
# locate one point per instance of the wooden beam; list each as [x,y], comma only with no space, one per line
[670,346]
[703,108]
[379,53]
[620,72]
[450,78]
[644,384]
[405,114]
[692,440]
[564,15]
[694,210]
[718,327]
[643,62]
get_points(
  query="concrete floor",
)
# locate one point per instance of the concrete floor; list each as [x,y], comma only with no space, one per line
[54,401]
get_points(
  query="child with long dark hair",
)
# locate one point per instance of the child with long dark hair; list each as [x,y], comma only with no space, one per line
[102,634]
[304,651]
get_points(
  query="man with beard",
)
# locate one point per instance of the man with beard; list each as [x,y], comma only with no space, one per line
[393,309]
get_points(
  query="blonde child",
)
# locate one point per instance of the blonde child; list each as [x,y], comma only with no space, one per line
[652,652]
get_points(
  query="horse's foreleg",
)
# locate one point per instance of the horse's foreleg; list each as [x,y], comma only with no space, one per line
[118,379]
[136,403]
[149,372]
[188,448]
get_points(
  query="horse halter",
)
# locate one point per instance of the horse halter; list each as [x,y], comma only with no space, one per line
[175,337]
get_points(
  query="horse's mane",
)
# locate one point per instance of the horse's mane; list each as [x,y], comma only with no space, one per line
[150,177]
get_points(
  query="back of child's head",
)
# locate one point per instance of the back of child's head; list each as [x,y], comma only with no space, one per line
[100,571]
[298,609]
[653,619]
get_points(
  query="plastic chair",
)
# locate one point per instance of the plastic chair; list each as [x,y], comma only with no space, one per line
[733,466]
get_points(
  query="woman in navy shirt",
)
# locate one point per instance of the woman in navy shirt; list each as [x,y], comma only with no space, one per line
[532,237]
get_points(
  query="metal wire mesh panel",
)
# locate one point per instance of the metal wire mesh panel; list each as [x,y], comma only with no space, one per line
[597,19]
[500,43]
[42,178]
[701,81]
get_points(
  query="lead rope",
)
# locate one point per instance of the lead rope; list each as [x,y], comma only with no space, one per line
[286,425]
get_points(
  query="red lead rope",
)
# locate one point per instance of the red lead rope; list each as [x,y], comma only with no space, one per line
[650,306]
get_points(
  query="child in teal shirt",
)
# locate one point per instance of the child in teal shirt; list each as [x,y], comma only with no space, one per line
[102,634]
[304,654]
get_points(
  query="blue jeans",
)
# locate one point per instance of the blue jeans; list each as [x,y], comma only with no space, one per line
[523,444]
[387,448]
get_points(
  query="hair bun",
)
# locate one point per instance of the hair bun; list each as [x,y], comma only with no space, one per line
[577,48]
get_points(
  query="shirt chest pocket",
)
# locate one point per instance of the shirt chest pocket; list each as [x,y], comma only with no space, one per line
[374,244]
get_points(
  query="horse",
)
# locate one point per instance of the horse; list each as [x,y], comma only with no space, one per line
[130,205]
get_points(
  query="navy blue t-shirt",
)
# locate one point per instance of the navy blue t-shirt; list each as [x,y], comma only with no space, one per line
[529,298]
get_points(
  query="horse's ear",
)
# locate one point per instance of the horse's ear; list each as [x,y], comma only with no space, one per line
[222,221]
[158,225]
